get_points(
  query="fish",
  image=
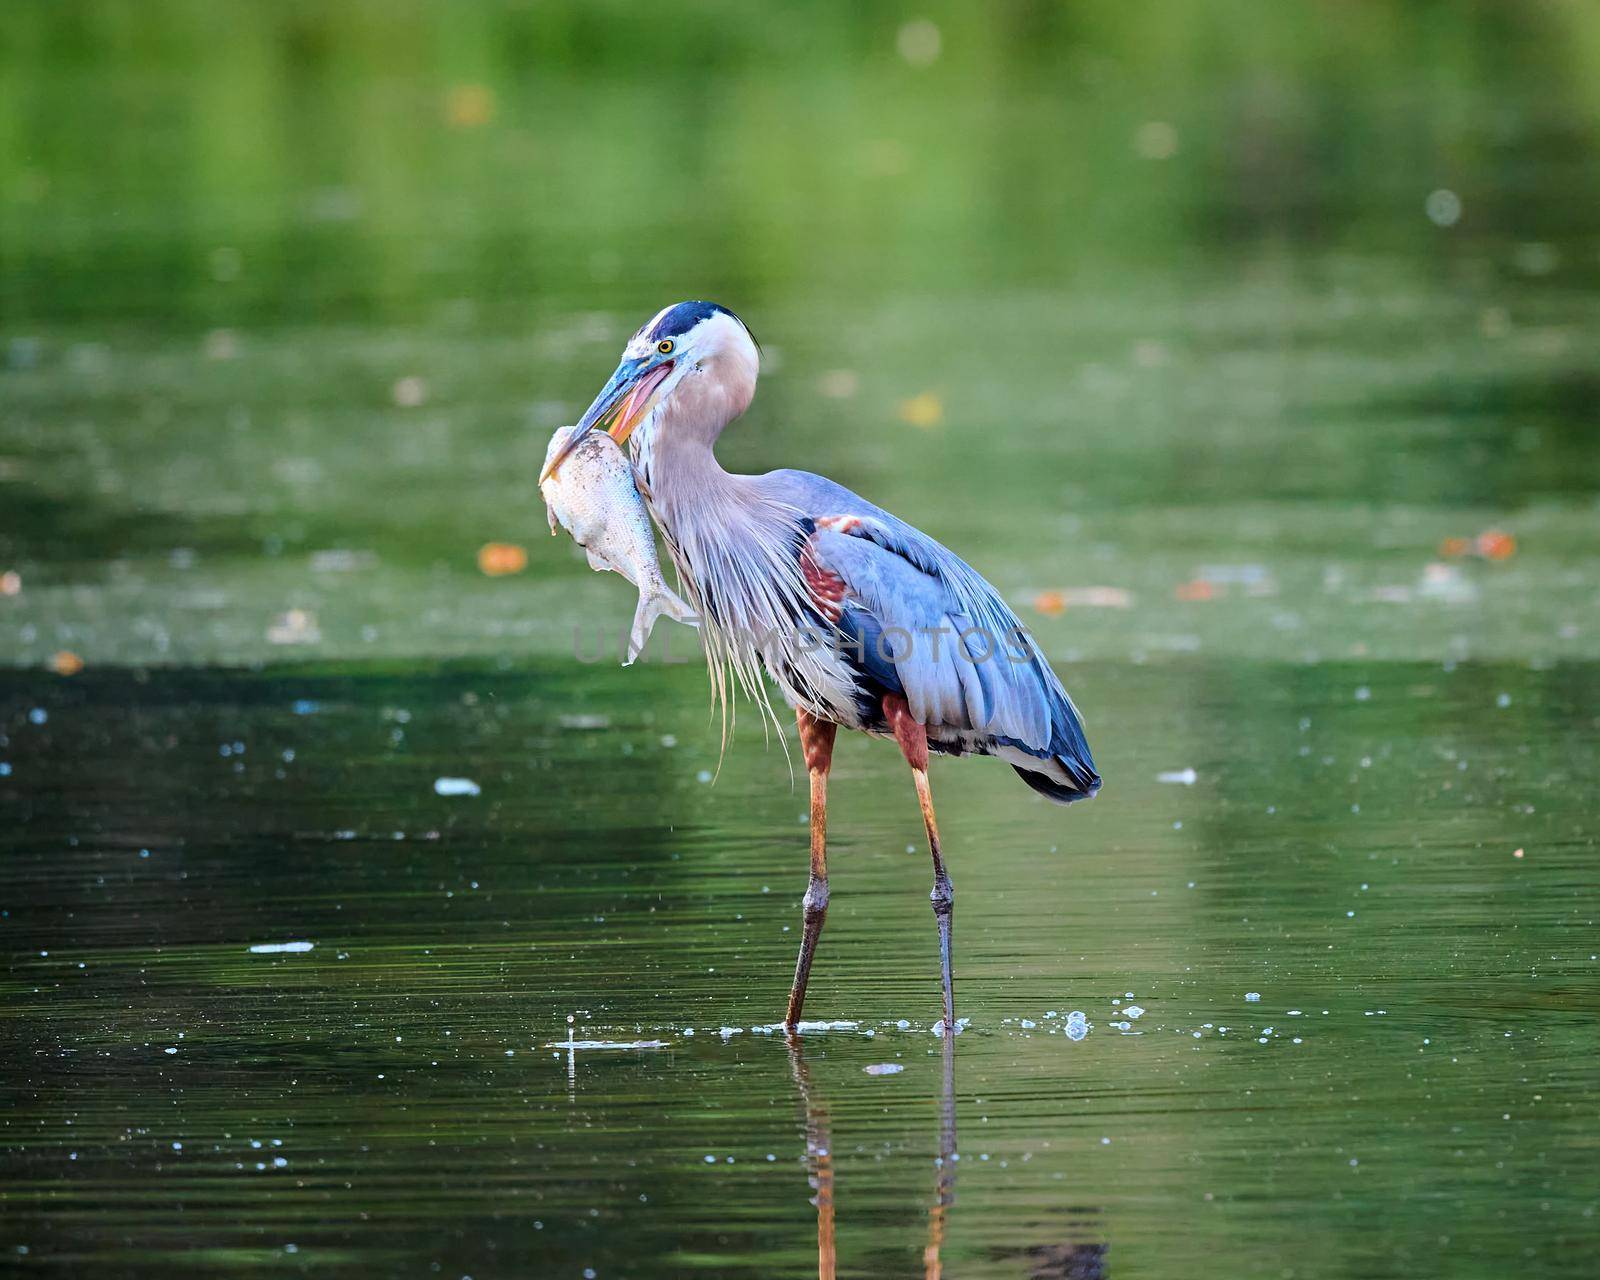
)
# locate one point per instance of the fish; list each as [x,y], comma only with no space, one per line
[595,497]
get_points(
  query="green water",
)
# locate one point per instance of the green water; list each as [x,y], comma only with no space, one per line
[291,297]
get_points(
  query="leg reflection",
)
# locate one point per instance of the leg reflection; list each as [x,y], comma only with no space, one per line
[944,1183]
[819,1157]
[819,1160]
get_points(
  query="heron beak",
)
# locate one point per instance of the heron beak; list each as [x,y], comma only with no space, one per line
[624,402]
[640,400]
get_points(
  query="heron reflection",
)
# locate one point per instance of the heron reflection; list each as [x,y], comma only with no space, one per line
[819,1160]
[1066,1260]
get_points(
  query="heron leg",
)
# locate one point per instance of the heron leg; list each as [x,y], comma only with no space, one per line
[913,740]
[816,742]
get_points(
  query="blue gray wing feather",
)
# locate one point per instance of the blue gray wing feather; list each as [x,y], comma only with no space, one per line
[909,602]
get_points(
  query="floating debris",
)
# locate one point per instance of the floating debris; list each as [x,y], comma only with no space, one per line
[1054,602]
[1183,777]
[1156,140]
[221,344]
[1254,579]
[584,722]
[409,392]
[66,663]
[469,106]
[341,560]
[884,1069]
[296,626]
[807,1027]
[456,787]
[1447,584]
[1251,997]
[10,583]
[925,410]
[280,948]
[608,1044]
[838,384]
[1491,544]
[497,559]
[1134,1011]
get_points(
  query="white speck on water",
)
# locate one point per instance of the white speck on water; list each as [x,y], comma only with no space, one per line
[669,740]
[1363,694]
[170,1049]
[38,716]
[1443,207]
[1177,826]
[1134,1011]
[1028,1024]
[177,1146]
[609,1044]
[456,787]
[884,1069]
[711,1159]
[1182,777]
[904,1024]
[1504,700]
[727,1033]
[278,1162]
[1252,996]
[703,776]
[280,948]
[1294,1013]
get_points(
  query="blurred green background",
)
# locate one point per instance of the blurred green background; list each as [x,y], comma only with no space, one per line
[293,294]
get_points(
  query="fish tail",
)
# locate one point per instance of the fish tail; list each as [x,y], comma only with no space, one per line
[660,599]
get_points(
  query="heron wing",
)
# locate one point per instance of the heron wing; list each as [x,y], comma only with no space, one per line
[927,625]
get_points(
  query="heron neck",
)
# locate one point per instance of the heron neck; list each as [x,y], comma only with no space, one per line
[690,490]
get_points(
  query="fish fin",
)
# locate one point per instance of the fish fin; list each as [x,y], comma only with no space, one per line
[652,604]
[599,563]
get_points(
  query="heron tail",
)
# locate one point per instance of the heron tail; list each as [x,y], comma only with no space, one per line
[1083,782]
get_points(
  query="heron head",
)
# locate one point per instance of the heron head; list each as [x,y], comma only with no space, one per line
[695,352]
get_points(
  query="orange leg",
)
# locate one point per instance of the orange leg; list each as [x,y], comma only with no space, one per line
[913,740]
[816,742]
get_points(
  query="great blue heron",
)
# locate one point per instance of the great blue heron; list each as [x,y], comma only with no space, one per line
[860,619]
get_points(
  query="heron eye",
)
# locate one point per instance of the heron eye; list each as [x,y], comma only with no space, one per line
[665,346]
